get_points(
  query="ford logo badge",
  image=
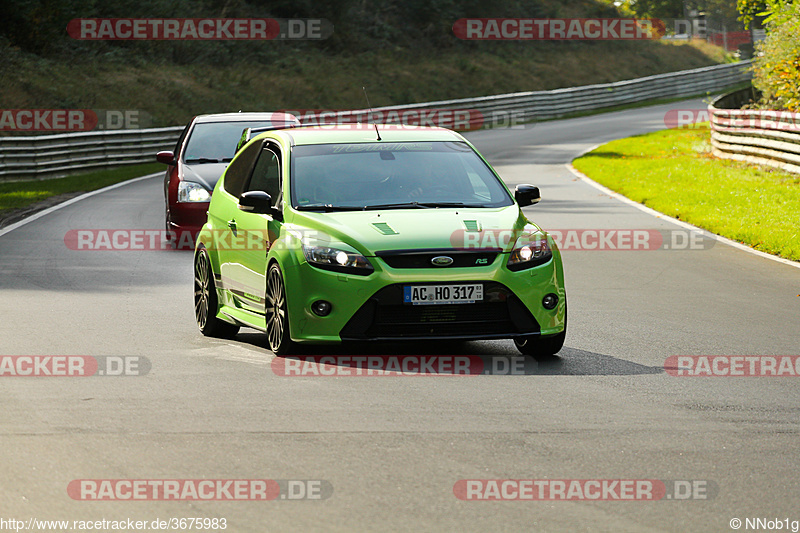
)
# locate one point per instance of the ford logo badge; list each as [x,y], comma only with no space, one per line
[442,261]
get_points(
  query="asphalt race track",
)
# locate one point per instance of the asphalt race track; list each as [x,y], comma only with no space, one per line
[393,448]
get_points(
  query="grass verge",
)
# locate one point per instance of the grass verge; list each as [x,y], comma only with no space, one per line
[22,194]
[313,79]
[673,171]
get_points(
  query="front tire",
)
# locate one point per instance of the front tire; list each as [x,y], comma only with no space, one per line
[277,313]
[542,347]
[205,300]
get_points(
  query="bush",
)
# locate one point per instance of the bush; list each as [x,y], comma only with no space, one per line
[776,71]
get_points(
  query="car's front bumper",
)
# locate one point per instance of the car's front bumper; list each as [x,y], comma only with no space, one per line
[187,218]
[371,307]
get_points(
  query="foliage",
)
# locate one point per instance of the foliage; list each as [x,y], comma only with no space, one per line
[749,9]
[672,9]
[776,71]
[661,9]
[38,26]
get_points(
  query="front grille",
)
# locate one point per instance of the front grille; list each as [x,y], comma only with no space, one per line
[422,259]
[385,316]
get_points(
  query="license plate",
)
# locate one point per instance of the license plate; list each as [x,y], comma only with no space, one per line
[442,294]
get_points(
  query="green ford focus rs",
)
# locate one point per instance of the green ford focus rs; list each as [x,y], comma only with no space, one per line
[333,233]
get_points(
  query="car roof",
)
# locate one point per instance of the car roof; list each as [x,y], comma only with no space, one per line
[273,117]
[362,133]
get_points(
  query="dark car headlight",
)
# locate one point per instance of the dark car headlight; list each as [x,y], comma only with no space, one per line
[529,251]
[337,260]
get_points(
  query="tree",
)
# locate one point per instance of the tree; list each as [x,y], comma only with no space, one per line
[660,9]
[776,69]
[748,9]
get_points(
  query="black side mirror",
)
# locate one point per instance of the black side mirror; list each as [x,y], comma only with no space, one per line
[526,195]
[259,202]
[166,157]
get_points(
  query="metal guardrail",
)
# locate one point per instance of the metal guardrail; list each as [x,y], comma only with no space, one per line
[488,111]
[49,155]
[764,137]
[53,155]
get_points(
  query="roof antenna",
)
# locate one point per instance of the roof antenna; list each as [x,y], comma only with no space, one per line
[370,111]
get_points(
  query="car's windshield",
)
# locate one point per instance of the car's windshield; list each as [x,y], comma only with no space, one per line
[214,142]
[392,176]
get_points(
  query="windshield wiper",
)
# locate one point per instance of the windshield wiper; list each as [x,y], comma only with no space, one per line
[329,207]
[203,160]
[401,205]
[372,207]
[449,204]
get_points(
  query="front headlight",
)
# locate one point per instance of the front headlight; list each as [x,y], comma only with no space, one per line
[529,251]
[189,191]
[337,260]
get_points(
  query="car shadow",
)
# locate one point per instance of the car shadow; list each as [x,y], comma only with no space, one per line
[477,358]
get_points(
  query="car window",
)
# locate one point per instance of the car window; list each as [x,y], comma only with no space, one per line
[179,144]
[368,174]
[267,174]
[236,175]
[216,140]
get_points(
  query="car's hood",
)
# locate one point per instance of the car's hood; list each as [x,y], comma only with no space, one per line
[406,229]
[207,174]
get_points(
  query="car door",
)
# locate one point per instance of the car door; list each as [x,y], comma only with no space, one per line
[224,216]
[257,231]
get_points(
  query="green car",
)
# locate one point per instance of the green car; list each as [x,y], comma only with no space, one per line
[324,234]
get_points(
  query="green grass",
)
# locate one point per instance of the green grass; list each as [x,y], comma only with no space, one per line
[314,79]
[16,195]
[673,171]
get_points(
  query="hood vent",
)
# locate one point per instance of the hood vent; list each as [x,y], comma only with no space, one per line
[472,225]
[384,228]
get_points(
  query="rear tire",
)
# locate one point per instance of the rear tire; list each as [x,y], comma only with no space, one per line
[277,313]
[206,304]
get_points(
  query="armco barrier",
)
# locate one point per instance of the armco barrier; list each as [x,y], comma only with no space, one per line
[65,153]
[52,155]
[758,136]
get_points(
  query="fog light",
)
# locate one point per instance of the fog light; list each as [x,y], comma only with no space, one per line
[321,308]
[550,301]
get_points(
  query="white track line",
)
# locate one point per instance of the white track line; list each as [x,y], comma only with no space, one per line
[56,207]
[605,190]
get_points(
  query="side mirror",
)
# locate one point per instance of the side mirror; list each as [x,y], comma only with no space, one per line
[166,157]
[526,195]
[259,202]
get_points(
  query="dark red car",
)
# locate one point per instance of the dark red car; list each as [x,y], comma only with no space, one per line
[203,151]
